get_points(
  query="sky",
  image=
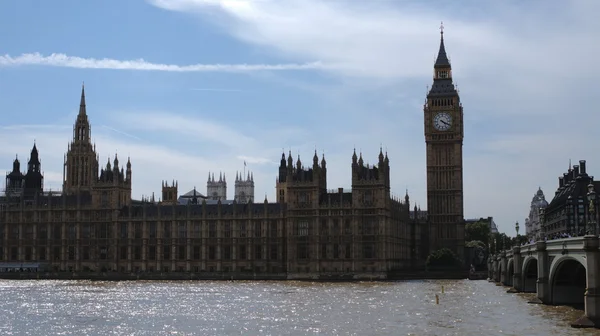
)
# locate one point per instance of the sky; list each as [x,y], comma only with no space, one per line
[185,87]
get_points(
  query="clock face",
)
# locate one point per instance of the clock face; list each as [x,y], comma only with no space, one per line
[442,121]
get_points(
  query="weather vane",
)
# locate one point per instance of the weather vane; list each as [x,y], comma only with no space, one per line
[442,27]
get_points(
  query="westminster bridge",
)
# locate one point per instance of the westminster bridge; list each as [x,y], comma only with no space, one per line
[560,272]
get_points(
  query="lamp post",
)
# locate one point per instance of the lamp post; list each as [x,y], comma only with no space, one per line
[542,224]
[517,229]
[591,223]
[570,214]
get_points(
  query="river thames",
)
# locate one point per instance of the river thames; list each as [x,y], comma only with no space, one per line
[275,308]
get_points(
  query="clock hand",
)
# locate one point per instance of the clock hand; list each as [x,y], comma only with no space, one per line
[445,123]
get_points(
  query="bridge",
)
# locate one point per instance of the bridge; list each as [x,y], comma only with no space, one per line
[561,272]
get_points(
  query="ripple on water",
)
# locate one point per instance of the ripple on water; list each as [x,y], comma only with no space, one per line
[274,308]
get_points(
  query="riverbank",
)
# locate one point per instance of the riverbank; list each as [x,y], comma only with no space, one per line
[114,276]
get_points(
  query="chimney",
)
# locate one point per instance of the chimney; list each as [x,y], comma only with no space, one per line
[575,171]
[341,190]
[566,178]
[582,167]
[561,181]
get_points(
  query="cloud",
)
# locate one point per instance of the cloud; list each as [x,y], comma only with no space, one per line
[62,60]
[216,90]
[526,86]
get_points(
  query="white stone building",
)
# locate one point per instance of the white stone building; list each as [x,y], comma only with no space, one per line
[532,222]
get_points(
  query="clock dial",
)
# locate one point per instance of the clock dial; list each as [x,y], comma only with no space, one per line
[442,121]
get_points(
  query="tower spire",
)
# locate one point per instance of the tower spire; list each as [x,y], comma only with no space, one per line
[442,58]
[82,110]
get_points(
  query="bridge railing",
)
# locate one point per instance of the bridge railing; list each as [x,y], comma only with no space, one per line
[571,243]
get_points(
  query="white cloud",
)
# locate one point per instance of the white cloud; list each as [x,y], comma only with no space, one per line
[62,60]
[527,85]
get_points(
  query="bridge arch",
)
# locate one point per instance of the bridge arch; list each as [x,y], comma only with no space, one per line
[530,275]
[568,281]
[510,271]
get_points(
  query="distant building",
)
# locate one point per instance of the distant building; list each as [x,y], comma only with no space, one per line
[216,189]
[532,222]
[244,188]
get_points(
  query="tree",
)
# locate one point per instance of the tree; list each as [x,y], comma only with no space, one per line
[499,241]
[479,230]
[443,258]
[476,243]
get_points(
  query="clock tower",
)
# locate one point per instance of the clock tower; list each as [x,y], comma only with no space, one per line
[444,132]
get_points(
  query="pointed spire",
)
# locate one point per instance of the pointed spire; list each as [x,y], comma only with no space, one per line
[82,110]
[442,58]
[570,168]
[208,176]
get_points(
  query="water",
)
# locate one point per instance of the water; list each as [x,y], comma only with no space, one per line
[275,308]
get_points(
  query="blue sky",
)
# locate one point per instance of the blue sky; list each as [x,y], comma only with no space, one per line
[190,86]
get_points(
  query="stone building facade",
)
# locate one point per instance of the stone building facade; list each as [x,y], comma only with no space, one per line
[94,226]
[533,228]
[568,212]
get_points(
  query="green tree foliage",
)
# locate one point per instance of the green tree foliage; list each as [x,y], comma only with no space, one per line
[443,258]
[476,243]
[500,241]
[479,230]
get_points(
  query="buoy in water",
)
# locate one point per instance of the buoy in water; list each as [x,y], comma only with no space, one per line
[437,299]
[442,289]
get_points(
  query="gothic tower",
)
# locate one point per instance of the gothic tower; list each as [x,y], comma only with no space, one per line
[299,186]
[80,170]
[244,188]
[113,186]
[15,179]
[216,189]
[169,193]
[370,183]
[34,180]
[444,132]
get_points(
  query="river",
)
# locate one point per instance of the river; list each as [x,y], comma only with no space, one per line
[275,308]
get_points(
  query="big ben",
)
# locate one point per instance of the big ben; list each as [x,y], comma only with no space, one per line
[444,132]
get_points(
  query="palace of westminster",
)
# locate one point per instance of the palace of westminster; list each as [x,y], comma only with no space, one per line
[93,225]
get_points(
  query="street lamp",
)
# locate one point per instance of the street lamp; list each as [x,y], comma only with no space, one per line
[517,229]
[542,223]
[591,196]
[570,214]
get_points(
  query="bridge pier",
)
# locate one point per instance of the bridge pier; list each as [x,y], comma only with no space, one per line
[591,318]
[503,268]
[494,266]
[542,284]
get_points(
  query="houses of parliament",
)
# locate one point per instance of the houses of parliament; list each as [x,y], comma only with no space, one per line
[93,226]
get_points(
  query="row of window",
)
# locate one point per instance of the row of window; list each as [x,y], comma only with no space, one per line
[242,252]
[154,253]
